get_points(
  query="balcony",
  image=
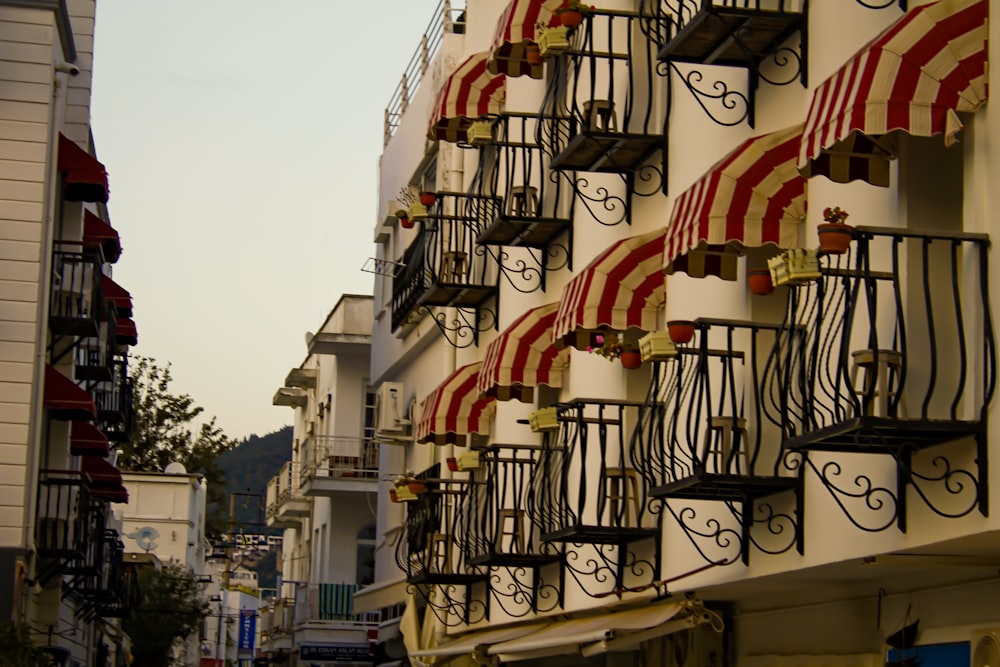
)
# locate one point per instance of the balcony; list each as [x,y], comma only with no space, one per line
[444,266]
[433,546]
[534,211]
[277,623]
[75,302]
[891,350]
[69,526]
[94,357]
[588,498]
[330,606]
[706,436]
[114,401]
[724,32]
[333,465]
[600,111]
[286,505]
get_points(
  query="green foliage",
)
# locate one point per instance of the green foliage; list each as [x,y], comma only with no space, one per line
[248,467]
[16,647]
[171,609]
[162,432]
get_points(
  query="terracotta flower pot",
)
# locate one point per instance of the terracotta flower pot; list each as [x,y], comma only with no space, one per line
[759,281]
[393,496]
[835,237]
[417,487]
[533,54]
[630,358]
[570,18]
[452,464]
[406,223]
[428,198]
[681,331]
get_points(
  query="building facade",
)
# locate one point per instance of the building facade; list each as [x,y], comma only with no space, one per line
[645,410]
[65,328]
[324,497]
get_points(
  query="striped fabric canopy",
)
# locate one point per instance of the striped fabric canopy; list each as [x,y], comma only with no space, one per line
[471,92]
[454,410]
[913,78]
[623,287]
[515,31]
[523,357]
[751,197]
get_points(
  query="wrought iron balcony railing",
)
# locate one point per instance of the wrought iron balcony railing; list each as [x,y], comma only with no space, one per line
[444,266]
[704,436]
[94,357]
[433,548]
[535,210]
[114,400]
[750,34]
[75,301]
[892,350]
[63,526]
[602,109]
[335,457]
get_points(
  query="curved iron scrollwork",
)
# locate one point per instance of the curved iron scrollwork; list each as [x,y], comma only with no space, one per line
[612,569]
[776,525]
[874,499]
[519,598]
[606,208]
[732,102]
[647,181]
[727,540]
[959,485]
[451,610]
[784,60]
[868,4]
[463,329]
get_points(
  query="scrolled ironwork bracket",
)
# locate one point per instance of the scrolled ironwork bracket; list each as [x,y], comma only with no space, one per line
[463,329]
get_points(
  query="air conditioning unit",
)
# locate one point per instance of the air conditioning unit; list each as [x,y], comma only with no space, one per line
[390,409]
[985,646]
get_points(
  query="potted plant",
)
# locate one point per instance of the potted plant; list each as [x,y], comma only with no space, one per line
[480,133]
[611,347]
[417,486]
[427,198]
[571,12]
[468,461]
[835,235]
[552,38]
[759,281]
[681,331]
[533,54]
[630,357]
[452,463]
[393,495]
[404,219]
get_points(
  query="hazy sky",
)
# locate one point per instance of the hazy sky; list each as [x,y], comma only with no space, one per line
[242,139]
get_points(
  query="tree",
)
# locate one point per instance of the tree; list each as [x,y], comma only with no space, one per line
[171,608]
[162,431]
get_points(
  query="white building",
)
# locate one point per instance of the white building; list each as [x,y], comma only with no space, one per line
[325,496]
[789,476]
[65,326]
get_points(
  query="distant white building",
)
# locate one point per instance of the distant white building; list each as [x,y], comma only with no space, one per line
[325,497]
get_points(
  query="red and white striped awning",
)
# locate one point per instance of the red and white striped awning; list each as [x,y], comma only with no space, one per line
[523,357]
[912,78]
[515,31]
[454,410]
[471,92]
[753,196]
[623,287]
[84,177]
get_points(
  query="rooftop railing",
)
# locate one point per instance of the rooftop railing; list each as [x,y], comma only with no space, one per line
[448,17]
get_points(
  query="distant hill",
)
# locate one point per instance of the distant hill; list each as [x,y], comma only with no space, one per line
[248,466]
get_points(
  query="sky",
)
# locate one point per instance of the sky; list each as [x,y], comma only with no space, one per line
[242,138]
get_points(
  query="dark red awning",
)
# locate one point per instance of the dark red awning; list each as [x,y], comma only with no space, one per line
[102,474]
[117,295]
[85,178]
[65,400]
[125,331]
[114,494]
[87,440]
[96,232]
